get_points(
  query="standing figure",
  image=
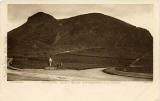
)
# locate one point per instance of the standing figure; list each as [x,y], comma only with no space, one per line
[50,61]
[61,64]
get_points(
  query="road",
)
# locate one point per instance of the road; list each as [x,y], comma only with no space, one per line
[67,75]
[96,74]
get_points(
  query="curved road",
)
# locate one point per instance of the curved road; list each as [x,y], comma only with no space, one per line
[67,75]
[95,74]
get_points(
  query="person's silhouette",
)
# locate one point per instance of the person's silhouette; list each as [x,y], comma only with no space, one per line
[50,61]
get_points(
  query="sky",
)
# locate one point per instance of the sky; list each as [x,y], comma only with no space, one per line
[140,15]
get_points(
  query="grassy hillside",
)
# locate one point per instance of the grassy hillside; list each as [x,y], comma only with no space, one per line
[71,61]
[92,40]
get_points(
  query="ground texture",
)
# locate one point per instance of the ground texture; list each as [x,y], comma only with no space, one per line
[96,74]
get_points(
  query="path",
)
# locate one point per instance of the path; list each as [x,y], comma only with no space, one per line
[67,75]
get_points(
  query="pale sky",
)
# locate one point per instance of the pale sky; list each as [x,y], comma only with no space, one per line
[140,15]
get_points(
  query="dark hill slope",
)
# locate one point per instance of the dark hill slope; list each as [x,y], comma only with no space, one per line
[94,33]
[36,34]
[98,30]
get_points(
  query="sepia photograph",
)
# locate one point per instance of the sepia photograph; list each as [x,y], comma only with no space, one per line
[80,42]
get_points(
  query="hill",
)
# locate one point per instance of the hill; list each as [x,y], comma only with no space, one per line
[89,34]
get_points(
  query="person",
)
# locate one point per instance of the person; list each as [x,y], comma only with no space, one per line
[61,64]
[50,61]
